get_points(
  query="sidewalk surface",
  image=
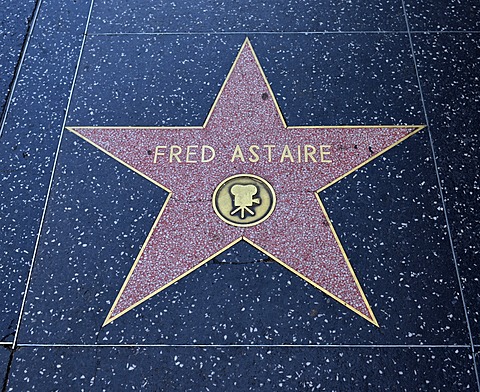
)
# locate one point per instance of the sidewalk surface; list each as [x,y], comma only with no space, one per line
[76,215]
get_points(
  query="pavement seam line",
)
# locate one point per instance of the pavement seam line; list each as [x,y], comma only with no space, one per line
[126,345]
[52,176]
[442,198]
[250,33]
[18,67]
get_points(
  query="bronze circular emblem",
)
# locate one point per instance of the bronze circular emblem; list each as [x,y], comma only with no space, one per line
[244,200]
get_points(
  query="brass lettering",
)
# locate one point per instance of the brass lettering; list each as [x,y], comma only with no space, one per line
[237,154]
[212,153]
[254,157]
[204,153]
[286,153]
[175,151]
[269,148]
[323,152]
[189,153]
[310,151]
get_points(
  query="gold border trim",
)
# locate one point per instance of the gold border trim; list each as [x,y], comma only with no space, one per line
[72,129]
[373,320]
[109,319]
[417,129]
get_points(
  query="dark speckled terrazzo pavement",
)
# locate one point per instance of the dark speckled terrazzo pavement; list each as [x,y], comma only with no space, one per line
[73,219]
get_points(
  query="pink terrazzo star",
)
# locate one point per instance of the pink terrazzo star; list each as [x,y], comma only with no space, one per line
[298,234]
